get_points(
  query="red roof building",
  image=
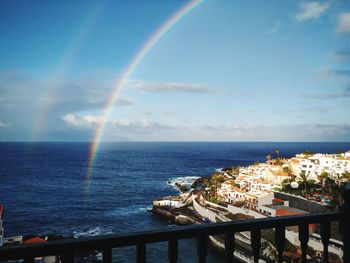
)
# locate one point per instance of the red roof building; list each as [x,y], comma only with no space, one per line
[1,211]
[34,240]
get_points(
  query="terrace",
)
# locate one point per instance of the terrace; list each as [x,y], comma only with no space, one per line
[106,244]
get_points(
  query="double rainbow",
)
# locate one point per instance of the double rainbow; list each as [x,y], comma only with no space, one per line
[133,64]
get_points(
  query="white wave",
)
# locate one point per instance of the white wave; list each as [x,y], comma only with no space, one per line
[95,231]
[127,210]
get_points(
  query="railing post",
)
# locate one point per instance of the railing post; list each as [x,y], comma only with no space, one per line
[29,260]
[280,238]
[141,253]
[344,223]
[230,246]
[173,250]
[68,257]
[325,236]
[255,238]
[202,248]
[107,255]
[304,239]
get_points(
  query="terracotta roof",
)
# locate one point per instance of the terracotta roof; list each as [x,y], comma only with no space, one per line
[287,212]
[34,240]
[278,173]
[277,200]
[1,210]
[343,158]
[252,195]
[236,189]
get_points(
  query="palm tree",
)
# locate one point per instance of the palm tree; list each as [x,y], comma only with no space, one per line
[236,170]
[216,180]
[277,151]
[345,176]
[268,157]
[289,172]
[311,184]
[323,177]
[304,179]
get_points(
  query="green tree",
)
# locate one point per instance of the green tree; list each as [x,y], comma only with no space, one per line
[345,176]
[304,179]
[236,170]
[288,171]
[277,151]
[279,161]
[216,180]
[323,178]
[268,157]
[308,153]
[331,183]
[311,184]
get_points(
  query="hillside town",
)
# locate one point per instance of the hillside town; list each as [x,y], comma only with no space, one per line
[306,183]
[315,177]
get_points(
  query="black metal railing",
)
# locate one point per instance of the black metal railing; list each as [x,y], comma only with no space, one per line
[68,248]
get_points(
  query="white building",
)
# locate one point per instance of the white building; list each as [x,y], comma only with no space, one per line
[334,164]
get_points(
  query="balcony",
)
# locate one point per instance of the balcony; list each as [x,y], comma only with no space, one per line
[106,243]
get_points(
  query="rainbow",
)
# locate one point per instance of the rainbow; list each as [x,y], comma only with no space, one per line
[66,60]
[133,64]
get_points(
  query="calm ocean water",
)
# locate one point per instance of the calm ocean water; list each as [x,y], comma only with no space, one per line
[44,188]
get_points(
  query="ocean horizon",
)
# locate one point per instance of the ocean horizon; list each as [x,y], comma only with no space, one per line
[45,188]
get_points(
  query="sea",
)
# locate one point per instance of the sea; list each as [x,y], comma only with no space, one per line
[45,188]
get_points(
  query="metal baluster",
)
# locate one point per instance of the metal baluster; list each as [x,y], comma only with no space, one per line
[173,250]
[68,257]
[280,238]
[202,248]
[304,239]
[29,260]
[325,235]
[107,255]
[255,237]
[344,223]
[230,246]
[141,253]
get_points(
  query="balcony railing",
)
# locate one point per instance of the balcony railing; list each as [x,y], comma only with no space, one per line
[68,248]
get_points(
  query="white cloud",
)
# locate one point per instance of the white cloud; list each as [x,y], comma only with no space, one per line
[169,113]
[343,23]
[122,122]
[167,87]
[137,126]
[146,130]
[85,121]
[341,55]
[5,125]
[311,10]
[274,29]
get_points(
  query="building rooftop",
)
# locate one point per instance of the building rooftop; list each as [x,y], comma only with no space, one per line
[282,210]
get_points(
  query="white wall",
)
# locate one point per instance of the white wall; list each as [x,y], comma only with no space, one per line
[166,203]
[204,212]
[265,199]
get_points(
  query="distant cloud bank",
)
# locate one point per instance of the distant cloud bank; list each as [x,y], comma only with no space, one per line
[5,125]
[167,87]
[344,23]
[341,55]
[311,10]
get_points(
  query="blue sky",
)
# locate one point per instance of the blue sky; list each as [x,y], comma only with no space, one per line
[227,71]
